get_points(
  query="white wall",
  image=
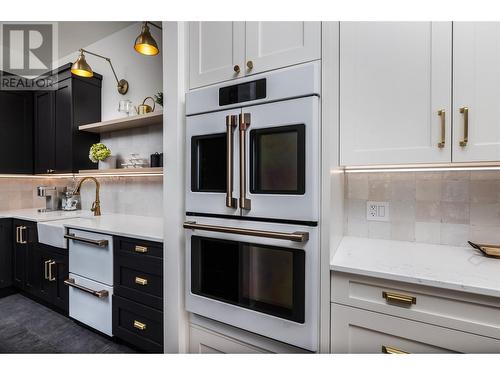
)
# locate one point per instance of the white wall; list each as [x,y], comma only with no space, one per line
[143,73]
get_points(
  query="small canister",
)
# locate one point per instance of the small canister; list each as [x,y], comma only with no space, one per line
[155,160]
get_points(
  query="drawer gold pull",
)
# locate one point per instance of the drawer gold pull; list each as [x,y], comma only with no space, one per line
[141,281]
[141,249]
[465,112]
[399,298]
[442,115]
[140,326]
[391,350]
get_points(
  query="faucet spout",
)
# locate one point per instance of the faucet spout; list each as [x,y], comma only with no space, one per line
[96,206]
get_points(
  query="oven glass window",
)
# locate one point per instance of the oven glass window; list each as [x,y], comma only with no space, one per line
[262,278]
[208,163]
[278,160]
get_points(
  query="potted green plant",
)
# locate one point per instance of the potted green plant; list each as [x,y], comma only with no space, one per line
[99,153]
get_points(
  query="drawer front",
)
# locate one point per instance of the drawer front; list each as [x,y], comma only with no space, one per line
[141,248]
[88,259]
[205,341]
[138,325]
[360,331]
[140,280]
[96,312]
[456,310]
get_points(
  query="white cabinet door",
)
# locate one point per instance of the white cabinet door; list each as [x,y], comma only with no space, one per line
[394,78]
[214,50]
[272,45]
[204,341]
[476,80]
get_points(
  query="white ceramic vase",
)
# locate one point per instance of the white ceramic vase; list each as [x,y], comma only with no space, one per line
[108,163]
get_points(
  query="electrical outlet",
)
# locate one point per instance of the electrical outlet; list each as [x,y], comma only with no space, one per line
[377,211]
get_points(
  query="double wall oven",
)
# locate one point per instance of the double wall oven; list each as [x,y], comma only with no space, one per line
[252,201]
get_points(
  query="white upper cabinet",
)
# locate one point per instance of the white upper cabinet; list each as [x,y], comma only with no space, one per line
[220,51]
[395,92]
[215,52]
[476,90]
[271,45]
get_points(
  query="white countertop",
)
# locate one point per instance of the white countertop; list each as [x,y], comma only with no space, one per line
[135,226]
[450,267]
[32,214]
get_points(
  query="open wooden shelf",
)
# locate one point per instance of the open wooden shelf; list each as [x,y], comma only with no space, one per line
[122,172]
[130,122]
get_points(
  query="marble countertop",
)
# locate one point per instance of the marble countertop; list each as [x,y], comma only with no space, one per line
[450,267]
[135,226]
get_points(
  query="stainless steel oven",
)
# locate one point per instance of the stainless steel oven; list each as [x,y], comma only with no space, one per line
[261,277]
[253,147]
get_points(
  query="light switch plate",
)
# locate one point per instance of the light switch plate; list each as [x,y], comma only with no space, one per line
[377,211]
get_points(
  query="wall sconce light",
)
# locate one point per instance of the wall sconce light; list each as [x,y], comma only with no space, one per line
[81,68]
[145,43]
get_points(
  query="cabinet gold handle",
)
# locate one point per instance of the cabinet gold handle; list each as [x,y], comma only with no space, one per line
[236,69]
[399,298]
[141,281]
[141,249]
[51,277]
[391,350]
[46,269]
[140,326]
[465,112]
[21,240]
[250,64]
[442,114]
[17,234]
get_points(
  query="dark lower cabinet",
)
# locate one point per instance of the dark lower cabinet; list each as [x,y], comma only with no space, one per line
[25,237]
[39,270]
[5,253]
[51,269]
[138,293]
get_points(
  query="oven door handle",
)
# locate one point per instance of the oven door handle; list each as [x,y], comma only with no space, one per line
[295,236]
[95,293]
[231,122]
[245,203]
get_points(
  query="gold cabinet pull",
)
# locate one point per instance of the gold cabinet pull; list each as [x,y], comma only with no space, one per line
[465,112]
[141,249]
[236,69]
[140,326]
[17,234]
[46,269]
[390,350]
[250,64]
[245,203]
[51,277]
[231,122]
[141,281]
[399,298]
[442,115]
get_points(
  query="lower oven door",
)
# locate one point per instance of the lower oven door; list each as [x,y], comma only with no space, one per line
[90,303]
[260,277]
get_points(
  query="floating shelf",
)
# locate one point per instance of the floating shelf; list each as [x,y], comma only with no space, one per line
[122,172]
[130,122]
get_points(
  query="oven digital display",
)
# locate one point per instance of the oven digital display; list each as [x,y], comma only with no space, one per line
[243,92]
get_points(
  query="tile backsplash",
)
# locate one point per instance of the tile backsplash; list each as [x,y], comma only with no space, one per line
[124,195]
[432,207]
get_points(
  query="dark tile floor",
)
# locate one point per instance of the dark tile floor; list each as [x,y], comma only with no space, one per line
[28,327]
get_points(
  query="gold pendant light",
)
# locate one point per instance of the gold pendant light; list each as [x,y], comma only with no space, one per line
[145,43]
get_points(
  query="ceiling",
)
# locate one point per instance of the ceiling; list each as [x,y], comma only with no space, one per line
[75,35]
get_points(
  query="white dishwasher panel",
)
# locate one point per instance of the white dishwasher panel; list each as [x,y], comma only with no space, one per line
[90,260]
[88,308]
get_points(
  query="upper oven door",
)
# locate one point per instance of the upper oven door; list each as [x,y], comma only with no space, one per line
[211,155]
[279,160]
